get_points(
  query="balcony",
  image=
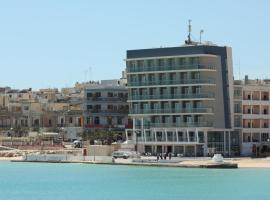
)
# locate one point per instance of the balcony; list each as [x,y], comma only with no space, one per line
[161,111]
[181,124]
[171,82]
[172,96]
[107,111]
[170,68]
[122,99]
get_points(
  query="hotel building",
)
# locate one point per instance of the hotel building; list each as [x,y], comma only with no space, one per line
[181,100]
[251,108]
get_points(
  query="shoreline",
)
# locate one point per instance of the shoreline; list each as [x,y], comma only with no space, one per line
[260,163]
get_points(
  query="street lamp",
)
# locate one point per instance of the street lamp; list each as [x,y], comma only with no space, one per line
[11,129]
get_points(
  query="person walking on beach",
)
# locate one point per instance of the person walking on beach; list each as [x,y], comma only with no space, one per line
[170,156]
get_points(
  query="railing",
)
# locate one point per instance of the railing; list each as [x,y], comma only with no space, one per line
[169,139]
[182,124]
[184,110]
[169,68]
[106,99]
[171,82]
[172,96]
[106,111]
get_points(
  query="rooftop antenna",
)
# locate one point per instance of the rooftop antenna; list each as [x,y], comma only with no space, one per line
[188,41]
[201,32]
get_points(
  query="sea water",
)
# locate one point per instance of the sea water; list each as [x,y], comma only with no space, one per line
[44,181]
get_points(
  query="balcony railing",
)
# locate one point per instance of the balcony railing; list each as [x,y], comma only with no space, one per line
[106,99]
[106,111]
[183,110]
[171,82]
[172,96]
[181,124]
[169,68]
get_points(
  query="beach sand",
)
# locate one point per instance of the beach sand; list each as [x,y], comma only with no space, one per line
[242,162]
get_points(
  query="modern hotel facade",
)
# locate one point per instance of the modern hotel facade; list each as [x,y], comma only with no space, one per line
[181,100]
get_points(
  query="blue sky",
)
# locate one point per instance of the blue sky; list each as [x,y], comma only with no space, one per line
[56,43]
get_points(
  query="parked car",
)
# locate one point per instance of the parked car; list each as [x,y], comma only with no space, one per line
[121,154]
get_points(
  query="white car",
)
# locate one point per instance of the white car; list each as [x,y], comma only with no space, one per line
[121,154]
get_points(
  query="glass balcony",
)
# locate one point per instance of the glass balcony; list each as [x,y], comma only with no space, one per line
[160,111]
[169,68]
[171,82]
[172,96]
[182,124]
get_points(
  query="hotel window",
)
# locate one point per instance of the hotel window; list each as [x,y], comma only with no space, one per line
[170,62]
[180,61]
[160,62]
[150,63]
[132,64]
[140,63]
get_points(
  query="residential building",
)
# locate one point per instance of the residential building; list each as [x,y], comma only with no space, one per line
[105,106]
[251,115]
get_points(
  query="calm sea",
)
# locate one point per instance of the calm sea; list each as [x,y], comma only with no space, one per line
[27,181]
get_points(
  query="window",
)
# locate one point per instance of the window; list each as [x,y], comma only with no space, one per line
[119,120]
[160,62]
[50,122]
[70,120]
[110,94]
[88,120]
[89,95]
[97,94]
[265,137]
[89,107]
[96,121]
[109,120]
[150,63]
[110,107]
[246,137]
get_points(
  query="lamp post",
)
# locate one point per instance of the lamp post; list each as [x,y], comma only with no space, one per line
[11,134]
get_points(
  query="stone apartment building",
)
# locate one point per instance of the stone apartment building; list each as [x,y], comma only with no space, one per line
[105,106]
[251,115]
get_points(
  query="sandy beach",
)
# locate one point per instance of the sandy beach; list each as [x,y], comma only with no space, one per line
[242,162]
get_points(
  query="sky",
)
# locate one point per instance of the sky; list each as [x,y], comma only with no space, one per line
[58,43]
